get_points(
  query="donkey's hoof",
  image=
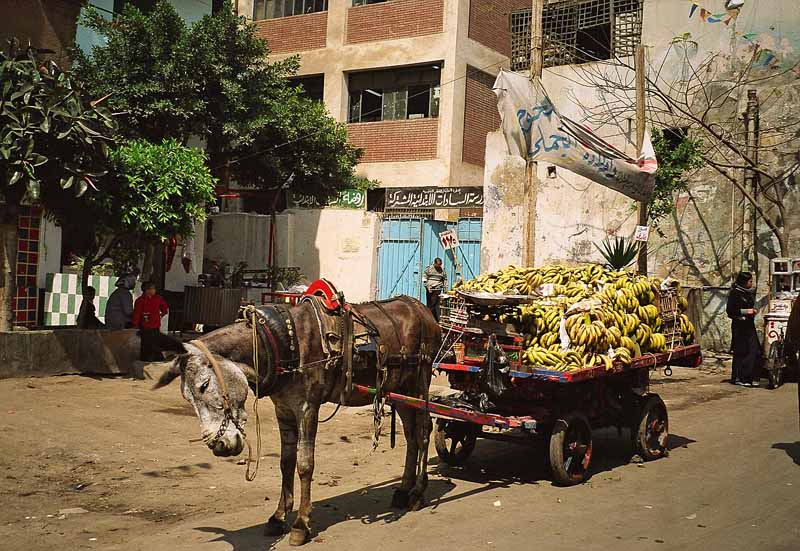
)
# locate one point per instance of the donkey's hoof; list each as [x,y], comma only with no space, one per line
[416,501]
[299,536]
[400,499]
[274,527]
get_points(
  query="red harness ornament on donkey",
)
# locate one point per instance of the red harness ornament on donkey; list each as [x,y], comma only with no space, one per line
[331,297]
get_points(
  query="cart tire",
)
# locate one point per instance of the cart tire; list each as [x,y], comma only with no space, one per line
[455,441]
[776,364]
[571,449]
[652,429]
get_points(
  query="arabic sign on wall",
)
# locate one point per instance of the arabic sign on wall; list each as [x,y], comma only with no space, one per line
[347,199]
[533,128]
[434,198]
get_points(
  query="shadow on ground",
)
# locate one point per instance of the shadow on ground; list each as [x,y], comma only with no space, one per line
[493,465]
[502,464]
[367,505]
[792,450]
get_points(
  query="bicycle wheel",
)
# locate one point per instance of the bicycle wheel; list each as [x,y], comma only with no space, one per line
[776,363]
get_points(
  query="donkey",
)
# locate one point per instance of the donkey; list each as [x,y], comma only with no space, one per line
[405,335]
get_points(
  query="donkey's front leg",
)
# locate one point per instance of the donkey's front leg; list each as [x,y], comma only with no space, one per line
[287,424]
[307,421]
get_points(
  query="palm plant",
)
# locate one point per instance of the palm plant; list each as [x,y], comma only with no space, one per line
[618,253]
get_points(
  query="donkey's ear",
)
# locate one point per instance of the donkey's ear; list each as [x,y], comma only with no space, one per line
[176,368]
[170,344]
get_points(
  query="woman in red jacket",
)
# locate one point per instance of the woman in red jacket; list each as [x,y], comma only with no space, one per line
[147,313]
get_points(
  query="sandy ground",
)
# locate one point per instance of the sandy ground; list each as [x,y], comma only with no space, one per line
[91,463]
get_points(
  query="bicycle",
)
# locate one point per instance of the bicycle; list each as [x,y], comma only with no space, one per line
[776,360]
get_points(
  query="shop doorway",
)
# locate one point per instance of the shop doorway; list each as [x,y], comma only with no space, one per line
[409,244]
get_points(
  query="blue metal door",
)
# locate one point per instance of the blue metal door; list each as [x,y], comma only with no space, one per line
[399,271]
[469,251]
[409,245]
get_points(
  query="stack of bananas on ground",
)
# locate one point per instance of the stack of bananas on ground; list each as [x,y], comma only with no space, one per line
[609,316]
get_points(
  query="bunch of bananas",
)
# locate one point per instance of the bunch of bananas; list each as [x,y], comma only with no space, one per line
[618,319]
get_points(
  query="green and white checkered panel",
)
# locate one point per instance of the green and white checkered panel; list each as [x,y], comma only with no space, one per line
[62,298]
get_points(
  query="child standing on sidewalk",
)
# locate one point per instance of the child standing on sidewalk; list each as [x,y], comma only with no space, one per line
[147,313]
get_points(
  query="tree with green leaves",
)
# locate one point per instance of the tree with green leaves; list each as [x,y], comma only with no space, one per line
[214,81]
[153,192]
[54,146]
[678,155]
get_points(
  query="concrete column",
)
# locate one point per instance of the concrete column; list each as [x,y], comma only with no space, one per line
[337,22]
[245,8]
[335,92]
[503,206]
[451,101]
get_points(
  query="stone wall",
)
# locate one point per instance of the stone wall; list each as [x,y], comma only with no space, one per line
[65,351]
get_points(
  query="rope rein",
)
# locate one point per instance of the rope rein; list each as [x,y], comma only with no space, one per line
[248,475]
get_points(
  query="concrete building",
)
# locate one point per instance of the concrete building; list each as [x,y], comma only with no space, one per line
[412,79]
[706,239]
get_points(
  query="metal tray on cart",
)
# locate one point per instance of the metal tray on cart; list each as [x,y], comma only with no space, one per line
[483,298]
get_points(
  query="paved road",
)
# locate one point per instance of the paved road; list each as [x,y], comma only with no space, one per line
[732,481]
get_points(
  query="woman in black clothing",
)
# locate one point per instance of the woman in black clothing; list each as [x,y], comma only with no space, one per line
[746,350]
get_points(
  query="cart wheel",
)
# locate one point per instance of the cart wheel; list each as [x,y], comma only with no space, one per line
[455,441]
[775,365]
[571,449]
[651,431]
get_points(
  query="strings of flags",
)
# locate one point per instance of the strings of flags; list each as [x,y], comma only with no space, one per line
[726,17]
[766,57]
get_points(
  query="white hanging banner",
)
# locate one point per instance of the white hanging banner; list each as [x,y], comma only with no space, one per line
[534,129]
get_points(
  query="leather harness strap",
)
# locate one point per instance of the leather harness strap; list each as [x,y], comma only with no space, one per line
[223,387]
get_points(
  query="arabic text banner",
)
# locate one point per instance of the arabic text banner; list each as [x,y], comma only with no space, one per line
[434,198]
[534,129]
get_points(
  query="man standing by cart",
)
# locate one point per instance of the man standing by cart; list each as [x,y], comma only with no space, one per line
[435,280]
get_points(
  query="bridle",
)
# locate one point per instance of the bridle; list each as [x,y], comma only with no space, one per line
[227,411]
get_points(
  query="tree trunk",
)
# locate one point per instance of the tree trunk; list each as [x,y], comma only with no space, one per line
[8,266]
[86,271]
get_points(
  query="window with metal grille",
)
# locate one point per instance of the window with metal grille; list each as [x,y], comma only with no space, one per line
[578,31]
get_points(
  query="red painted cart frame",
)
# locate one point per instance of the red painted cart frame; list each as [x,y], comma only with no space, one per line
[528,423]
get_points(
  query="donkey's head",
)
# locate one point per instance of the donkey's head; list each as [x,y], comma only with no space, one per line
[222,417]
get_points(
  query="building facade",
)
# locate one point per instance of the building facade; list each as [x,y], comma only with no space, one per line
[413,81]
[708,238]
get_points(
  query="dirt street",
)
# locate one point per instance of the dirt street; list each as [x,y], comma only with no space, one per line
[90,463]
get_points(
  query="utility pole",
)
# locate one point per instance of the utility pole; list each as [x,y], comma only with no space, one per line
[640,124]
[752,124]
[532,180]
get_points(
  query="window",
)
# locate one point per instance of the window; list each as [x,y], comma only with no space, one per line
[395,94]
[313,87]
[579,31]
[367,2]
[272,9]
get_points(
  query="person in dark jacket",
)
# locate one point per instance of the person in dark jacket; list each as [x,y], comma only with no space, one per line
[434,278]
[119,308]
[791,345]
[744,341]
[147,313]
[87,315]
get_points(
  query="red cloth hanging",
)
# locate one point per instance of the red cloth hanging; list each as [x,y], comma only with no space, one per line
[169,252]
